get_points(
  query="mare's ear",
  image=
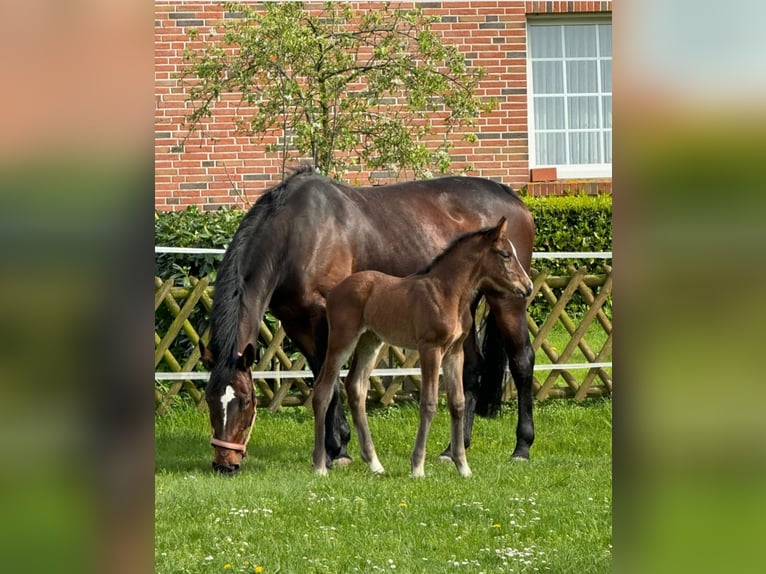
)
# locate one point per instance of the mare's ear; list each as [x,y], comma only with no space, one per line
[246,358]
[207,356]
[499,229]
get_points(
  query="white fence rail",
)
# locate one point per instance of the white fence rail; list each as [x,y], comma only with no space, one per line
[536,255]
[200,376]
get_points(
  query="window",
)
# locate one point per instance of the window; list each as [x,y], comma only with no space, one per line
[570,96]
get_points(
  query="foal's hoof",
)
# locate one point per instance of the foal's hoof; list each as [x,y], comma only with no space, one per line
[446,455]
[320,471]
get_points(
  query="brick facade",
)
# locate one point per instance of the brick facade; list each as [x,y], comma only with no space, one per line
[217,167]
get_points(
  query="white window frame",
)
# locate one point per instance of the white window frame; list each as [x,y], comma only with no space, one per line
[563,171]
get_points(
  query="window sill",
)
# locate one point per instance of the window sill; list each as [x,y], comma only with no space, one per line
[589,171]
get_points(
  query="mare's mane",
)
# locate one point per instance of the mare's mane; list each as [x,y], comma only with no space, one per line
[230,288]
[452,246]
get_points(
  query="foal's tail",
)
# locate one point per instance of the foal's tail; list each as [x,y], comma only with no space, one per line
[489,395]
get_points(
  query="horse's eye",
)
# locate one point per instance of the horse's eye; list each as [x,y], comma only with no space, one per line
[504,254]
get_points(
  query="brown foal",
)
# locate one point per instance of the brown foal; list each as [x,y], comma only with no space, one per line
[428,311]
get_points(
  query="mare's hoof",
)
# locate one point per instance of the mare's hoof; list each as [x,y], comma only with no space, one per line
[520,453]
[342,461]
[446,455]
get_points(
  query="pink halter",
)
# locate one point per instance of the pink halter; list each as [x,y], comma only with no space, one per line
[236,446]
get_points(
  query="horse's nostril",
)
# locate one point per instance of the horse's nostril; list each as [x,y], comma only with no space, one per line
[528,288]
[523,291]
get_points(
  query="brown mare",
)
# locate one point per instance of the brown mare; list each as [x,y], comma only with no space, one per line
[428,311]
[306,235]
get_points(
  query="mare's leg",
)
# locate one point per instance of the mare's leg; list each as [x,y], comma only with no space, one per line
[430,361]
[338,433]
[470,378]
[510,314]
[357,385]
[453,368]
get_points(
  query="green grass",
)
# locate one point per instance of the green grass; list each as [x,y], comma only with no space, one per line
[551,514]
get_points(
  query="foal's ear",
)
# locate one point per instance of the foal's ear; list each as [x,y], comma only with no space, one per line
[207,356]
[499,229]
[247,358]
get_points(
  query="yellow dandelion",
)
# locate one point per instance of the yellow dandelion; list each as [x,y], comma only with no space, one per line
[495,525]
[403,505]
[258,569]
[227,566]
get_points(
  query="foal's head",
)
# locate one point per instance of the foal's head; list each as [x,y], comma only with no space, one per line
[230,397]
[501,269]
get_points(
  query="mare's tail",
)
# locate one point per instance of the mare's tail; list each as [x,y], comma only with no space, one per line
[492,370]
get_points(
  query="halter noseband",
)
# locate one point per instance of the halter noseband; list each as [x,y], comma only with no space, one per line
[233,445]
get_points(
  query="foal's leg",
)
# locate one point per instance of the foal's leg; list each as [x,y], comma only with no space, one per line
[357,385]
[430,361]
[471,371]
[323,389]
[510,314]
[453,368]
[342,342]
[337,431]
[309,333]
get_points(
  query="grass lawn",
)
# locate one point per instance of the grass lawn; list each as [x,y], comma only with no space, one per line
[551,514]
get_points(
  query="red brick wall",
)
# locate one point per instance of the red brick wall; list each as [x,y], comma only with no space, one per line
[217,167]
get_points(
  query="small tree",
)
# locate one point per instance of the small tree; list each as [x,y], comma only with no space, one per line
[375,87]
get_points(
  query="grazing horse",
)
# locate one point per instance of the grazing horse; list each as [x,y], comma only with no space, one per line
[428,311]
[307,234]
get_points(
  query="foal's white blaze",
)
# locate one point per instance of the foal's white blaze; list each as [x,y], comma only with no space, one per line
[516,257]
[226,398]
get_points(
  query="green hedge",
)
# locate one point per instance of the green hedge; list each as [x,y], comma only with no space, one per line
[568,223]
[192,228]
[571,223]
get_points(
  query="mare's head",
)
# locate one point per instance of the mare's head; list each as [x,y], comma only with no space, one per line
[501,269]
[230,397]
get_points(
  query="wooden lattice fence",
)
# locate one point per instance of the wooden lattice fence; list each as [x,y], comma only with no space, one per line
[577,317]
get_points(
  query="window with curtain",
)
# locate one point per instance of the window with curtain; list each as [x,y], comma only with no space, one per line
[570,97]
